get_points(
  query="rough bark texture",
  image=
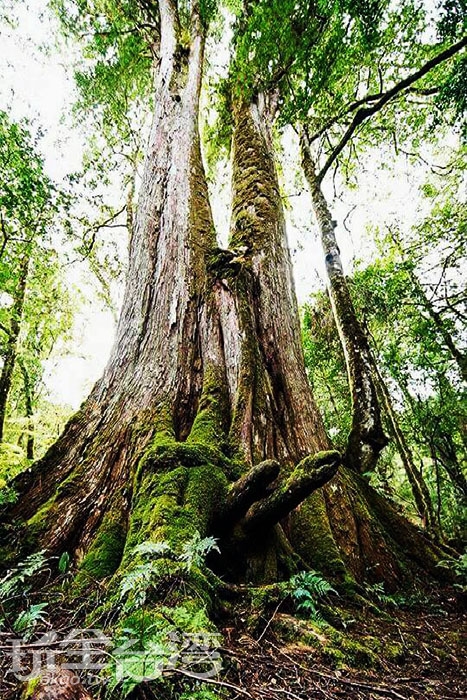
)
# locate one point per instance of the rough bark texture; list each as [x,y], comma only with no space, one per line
[367,438]
[274,414]
[205,380]
[142,392]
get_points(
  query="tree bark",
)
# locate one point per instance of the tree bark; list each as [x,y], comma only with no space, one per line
[165,338]
[9,359]
[274,413]
[367,438]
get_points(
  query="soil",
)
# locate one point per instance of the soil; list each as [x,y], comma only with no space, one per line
[426,638]
[431,641]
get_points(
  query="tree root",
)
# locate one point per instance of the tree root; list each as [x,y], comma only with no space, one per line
[255,503]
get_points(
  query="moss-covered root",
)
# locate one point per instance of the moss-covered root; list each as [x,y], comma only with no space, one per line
[338,648]
[310,474]
[250,488]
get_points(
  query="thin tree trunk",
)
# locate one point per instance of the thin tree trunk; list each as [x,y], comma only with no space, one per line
[9,359]
[29,410]
[447,454]
[417,483]
[367,438]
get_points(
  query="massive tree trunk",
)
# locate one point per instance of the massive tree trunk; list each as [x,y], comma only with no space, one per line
[367,438]
[203,422]
[206,377]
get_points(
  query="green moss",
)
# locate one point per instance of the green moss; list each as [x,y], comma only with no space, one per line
[395,652]
[313,539]
[31,687]
[104,556]
[41,520]
[206,488]
[163,456]
[212,418]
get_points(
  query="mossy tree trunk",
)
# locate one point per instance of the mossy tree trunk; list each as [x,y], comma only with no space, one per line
[203,422]
[367,438]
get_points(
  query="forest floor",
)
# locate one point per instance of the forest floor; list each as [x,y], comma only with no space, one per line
[428,644]
[411,648]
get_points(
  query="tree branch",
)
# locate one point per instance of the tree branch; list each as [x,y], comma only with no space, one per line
[363,114]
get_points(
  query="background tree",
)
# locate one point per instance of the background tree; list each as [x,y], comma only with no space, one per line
[36,310]
[411,300]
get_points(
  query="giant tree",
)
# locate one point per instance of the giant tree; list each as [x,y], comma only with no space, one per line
[203,422]
[334,69]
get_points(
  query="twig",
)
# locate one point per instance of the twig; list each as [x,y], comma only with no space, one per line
[269,621]
[213,681]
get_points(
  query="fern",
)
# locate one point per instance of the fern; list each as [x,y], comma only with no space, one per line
[155,549]
[377,592]
[14,581]
[196,550]
[136,582]
[306,589]
[459,567]
[28,619]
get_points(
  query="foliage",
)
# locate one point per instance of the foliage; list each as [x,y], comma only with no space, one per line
[410,299]
[307,589]
[35,304]
[14,587]
[157,633]
[28,619]
[20,579]
[326,368]
[157,557]
[195,551]
[459,568]
[376,591]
